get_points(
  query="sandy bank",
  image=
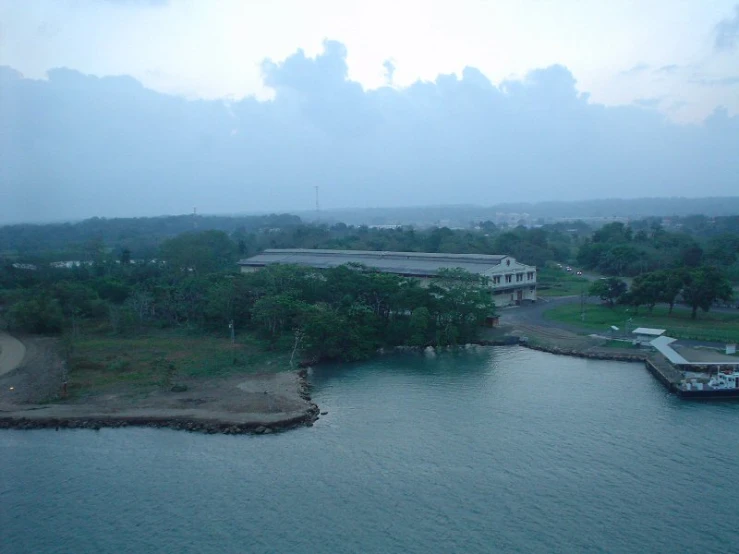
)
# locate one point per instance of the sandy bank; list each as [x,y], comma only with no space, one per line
[240,404]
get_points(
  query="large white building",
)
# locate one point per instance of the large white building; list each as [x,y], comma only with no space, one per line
[511,282]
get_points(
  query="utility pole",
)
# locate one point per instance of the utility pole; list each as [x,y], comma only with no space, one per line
[318,208]
[231,327]
[582,301]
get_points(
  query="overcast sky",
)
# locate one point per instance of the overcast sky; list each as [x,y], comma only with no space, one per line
[236,106]
[681,56]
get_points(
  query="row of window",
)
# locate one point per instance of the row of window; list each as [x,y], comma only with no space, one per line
[509,278]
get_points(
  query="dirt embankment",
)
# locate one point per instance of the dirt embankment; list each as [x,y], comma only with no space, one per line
[36,376]
[249,403]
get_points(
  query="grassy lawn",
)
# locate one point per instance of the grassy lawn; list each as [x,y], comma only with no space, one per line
[711,326]
[161,357]
[558,282]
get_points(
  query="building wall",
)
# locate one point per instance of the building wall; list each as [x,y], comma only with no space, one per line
[511,283]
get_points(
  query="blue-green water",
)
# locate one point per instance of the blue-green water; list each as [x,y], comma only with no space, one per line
[497,450]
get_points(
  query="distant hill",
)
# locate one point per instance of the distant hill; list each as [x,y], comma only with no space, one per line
[462,215]
[139,234]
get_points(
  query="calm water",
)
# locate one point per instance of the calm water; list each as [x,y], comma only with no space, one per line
[497,450]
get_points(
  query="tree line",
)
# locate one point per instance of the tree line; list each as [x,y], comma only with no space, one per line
[645,246]
[697,287]
[343,313]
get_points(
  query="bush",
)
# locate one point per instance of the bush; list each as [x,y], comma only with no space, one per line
[36,315]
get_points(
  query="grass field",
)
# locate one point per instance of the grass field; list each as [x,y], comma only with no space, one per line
[558,282]
[710,326]
[161,357]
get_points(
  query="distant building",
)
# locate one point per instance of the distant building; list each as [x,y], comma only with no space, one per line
[510,282]
[25,267]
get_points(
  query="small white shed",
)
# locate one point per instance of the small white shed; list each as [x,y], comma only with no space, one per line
[644,335]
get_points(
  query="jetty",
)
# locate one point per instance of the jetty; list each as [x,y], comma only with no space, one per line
[662,369]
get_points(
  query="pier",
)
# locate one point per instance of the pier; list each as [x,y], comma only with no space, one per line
[663,370]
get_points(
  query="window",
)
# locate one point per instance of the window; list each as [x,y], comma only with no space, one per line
[529,275]
[519,277]
[508,278]
[496,279]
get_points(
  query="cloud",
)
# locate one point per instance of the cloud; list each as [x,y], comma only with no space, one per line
[648,102]
[110,147]
[153,3]
[389,71]
[727,32]
[716,81]
[667,69]
[635,70]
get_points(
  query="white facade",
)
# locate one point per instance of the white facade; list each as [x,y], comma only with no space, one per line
[512,282]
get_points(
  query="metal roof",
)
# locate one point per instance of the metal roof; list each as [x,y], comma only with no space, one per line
[403,263]
[662,344]
[648,331]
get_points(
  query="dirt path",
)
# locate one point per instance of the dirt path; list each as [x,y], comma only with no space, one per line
[12,353]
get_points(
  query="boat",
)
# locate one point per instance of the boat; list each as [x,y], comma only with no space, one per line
[723,384]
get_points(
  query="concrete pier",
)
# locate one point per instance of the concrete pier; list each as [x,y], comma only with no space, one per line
[663,370]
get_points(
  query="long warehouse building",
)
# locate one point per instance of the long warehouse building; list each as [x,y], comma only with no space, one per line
[511,282]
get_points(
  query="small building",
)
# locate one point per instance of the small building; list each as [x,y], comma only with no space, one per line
[645,335]
[511,282]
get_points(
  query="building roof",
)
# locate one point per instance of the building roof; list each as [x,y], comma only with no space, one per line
[696,358]
[403,263]
[648,331]
[662,344]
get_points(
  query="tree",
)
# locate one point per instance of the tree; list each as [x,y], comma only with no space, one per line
[199,253]
[704,286]
[609,290]
[462,301]
[673,282]
[40,314]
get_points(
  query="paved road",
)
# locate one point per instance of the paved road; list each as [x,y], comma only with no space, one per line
[12,353]
[532,316]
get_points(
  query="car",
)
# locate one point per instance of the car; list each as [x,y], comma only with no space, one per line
[579,272]
[569,268]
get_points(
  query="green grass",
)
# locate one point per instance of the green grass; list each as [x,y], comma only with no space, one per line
[558,282]
[159,358]
[710,326]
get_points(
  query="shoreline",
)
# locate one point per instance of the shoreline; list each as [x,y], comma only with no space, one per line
[293,393]
[285,394]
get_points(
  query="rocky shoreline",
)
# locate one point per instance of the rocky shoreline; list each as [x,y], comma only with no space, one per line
[517,341]
[615,356]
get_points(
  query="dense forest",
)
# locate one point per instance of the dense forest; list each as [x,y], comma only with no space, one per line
[343,313]
[126,276]
[645,246]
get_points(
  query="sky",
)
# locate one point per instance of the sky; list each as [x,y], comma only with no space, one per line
[680,55]
[144,107]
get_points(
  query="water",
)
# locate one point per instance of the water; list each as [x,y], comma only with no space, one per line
[498,450]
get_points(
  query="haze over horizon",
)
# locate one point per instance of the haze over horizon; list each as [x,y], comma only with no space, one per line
[77,142]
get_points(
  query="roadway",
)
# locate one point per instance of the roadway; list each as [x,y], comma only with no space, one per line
[12,352]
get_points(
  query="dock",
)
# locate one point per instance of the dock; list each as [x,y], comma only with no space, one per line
[663,370]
